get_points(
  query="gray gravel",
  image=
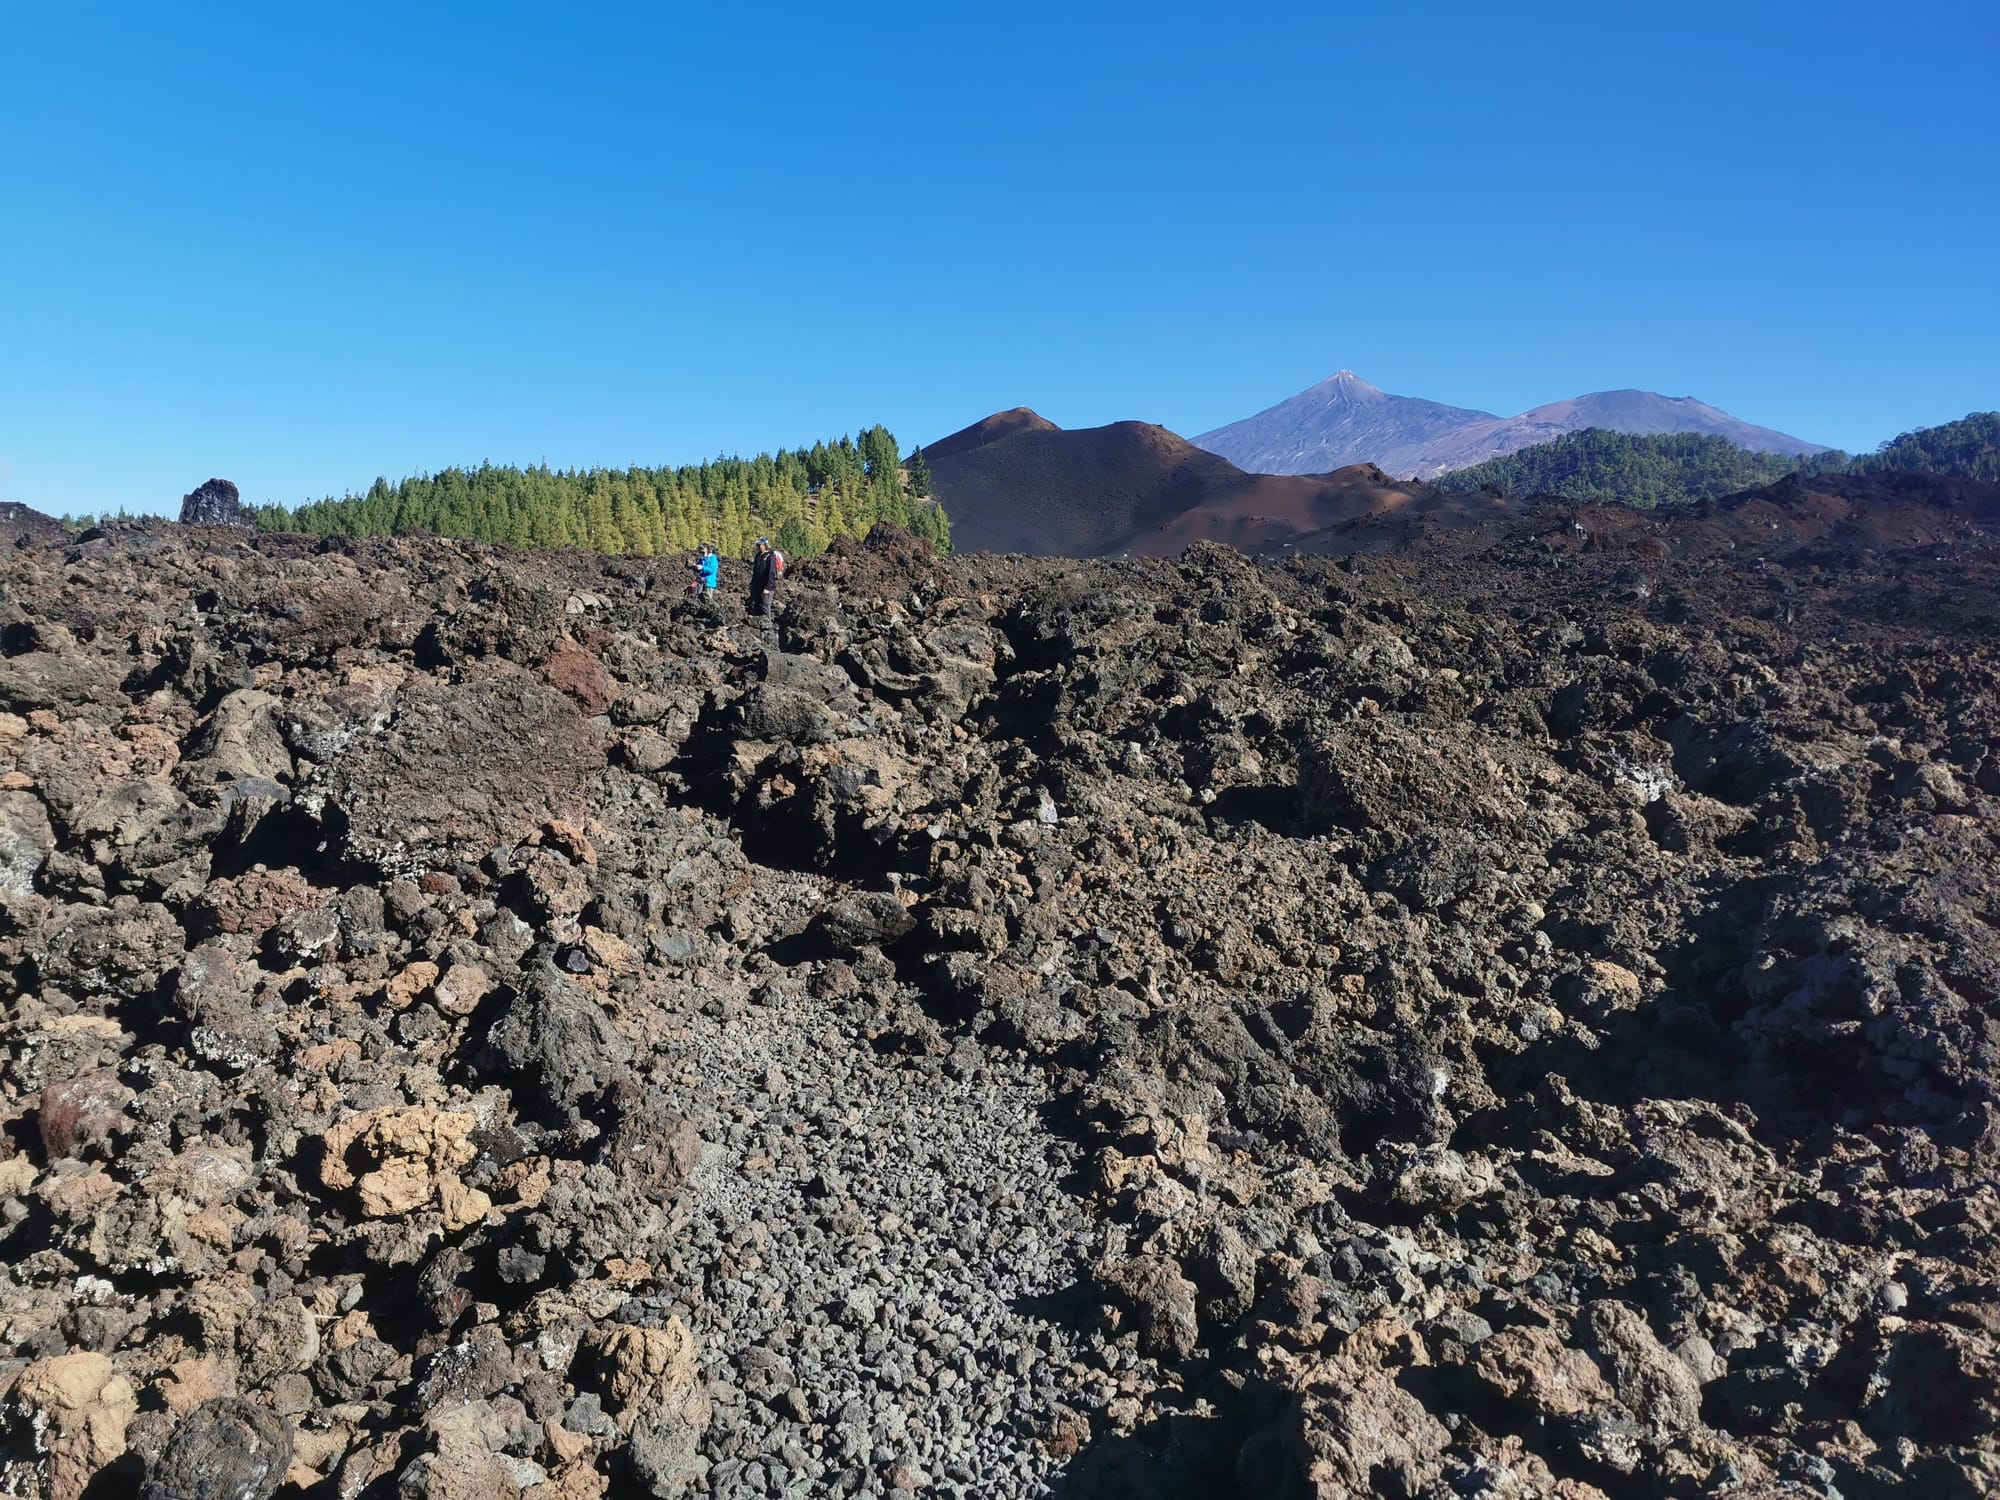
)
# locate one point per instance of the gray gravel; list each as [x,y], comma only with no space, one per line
[880,1236]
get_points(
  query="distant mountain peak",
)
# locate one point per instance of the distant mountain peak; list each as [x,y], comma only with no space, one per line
[1344,420]
[1347,383]
[1002,424]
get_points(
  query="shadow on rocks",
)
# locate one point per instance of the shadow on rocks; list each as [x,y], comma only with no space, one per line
[1242,1445]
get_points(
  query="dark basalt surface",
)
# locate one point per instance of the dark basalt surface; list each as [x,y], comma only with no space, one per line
[1517,1015]
[215,502]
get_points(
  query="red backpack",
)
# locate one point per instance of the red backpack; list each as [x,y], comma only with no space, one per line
[777,565]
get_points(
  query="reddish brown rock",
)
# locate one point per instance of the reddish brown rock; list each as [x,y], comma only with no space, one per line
[79,1115]
[400,1159]
[81,1405]
[577,674]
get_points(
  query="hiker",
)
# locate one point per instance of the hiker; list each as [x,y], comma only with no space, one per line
[710,568]
[765,569]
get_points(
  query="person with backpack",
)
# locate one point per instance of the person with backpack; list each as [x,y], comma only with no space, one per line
[766,568]
[710,568]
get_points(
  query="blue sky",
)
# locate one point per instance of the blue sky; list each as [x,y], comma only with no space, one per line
[302,246]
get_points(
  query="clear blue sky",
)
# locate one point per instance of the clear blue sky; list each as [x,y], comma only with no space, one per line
[300,246]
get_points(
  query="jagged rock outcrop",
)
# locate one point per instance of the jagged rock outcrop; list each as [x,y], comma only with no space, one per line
[215,502]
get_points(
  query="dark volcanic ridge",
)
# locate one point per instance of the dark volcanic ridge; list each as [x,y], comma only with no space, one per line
[1133,488]
[1513,1016]
[1345,420]
[989,430]
[22,526]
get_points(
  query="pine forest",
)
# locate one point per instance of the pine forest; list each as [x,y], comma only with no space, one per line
[800,498]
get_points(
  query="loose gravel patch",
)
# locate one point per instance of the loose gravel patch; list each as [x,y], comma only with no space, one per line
[880,1233]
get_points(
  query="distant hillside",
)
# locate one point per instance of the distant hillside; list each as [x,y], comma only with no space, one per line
[1890,508]
[1678,468]
[1638,413]
[1135,487]
[1621,468]
[1346,420]
[1968,448]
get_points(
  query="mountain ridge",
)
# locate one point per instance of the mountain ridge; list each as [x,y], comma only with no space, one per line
[1344,420]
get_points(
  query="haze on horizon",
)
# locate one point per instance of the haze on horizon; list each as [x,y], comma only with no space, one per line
[303,250]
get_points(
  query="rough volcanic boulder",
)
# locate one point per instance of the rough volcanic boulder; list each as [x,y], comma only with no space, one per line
[1158,1301]
[866,917]
[25,841]
[462,767]
[402,1158]
[654,1371]
[216,503]
[227,1449]
[800,700]
[1387,784]
[651,1146]
[554,1043]
[78,1407]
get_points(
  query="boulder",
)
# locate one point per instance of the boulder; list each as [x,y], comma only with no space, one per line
[82,1114]
[467,1461]
[555,1044]
[1386,784]
[216,502]
[225,1449]
[665,1455]
[650,1371]
[1158,1300]
[649,1144]
[79,1406]
[459,767]
[865,919]
[1373,1438]
[25,842]
[1653,1382]
[402,1158]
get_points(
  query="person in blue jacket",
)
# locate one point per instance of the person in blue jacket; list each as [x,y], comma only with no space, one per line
[711,569]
